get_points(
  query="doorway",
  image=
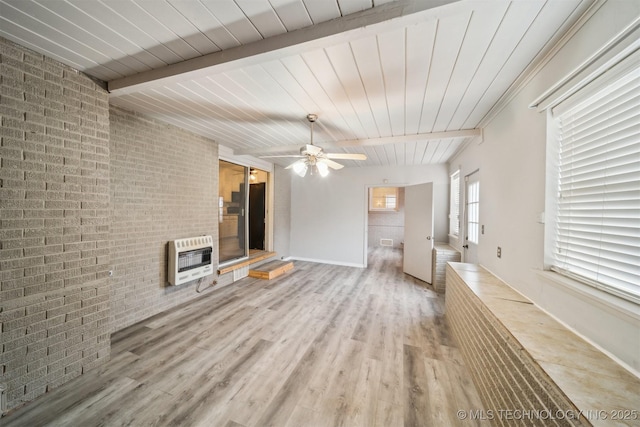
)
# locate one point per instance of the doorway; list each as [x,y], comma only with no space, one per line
[257,199]
[242,211]
[385,217]
[232,208]
[414,203]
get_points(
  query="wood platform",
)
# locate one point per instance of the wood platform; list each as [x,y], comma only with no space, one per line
[271,270]
[254,258]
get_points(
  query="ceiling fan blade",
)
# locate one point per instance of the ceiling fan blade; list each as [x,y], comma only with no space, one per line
[294,163]
[346,156]
[297,156]
[331,163]
[312,150]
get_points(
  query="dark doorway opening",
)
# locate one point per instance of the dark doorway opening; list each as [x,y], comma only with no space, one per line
[257,193]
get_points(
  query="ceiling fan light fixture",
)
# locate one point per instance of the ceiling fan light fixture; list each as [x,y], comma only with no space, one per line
[312,156]
[322,168]
[300,168]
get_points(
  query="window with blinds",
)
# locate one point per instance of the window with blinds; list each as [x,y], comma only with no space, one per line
[597,216]
[454,204]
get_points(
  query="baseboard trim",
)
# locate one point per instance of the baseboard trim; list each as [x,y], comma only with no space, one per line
[324,261]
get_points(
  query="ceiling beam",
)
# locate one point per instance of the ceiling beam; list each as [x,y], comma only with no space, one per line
[466,133]
[367,22]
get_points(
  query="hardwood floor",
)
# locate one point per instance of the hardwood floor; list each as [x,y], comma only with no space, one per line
[320,346]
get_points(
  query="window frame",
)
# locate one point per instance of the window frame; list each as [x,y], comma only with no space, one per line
[373,208]
[612,76]
[454,204]
[472,203]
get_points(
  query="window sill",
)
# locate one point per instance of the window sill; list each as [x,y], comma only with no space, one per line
[612,303]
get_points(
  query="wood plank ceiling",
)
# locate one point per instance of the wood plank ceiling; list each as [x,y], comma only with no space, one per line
[395,86]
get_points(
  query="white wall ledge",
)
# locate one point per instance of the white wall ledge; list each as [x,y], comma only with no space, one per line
[613,304]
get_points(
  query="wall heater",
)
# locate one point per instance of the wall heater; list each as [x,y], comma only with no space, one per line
[190,259]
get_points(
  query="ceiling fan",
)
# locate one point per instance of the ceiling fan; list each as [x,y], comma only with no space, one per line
[314,159]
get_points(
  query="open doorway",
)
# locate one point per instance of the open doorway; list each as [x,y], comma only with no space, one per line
[257,209]
[385,217]
[403,218]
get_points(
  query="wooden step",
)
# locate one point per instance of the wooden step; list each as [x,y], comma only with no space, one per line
[253,258]
[271,270]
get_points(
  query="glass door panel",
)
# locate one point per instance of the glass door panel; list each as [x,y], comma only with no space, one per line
[232,242]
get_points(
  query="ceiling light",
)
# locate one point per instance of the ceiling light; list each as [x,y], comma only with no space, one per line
[323,169]
[300,168]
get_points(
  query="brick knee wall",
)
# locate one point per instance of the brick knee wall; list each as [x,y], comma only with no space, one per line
[54,213]
[506,377]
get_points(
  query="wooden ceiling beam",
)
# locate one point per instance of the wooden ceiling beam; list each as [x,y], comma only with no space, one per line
[367,22]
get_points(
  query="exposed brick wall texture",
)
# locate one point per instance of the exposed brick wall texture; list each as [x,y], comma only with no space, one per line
[504,373]
[164,186]
[54,213]
[441,255]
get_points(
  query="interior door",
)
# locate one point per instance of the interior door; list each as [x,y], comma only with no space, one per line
[418,230]
[471,218]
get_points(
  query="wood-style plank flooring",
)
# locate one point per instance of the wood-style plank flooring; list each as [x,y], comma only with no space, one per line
[322,345]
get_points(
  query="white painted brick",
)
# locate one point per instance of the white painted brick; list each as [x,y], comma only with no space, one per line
[41,135]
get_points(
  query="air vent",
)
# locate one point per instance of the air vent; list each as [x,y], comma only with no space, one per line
[386,242]
[240,273]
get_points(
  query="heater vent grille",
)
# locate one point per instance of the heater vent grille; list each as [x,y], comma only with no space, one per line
[386,242]
[190,259]
[240,273]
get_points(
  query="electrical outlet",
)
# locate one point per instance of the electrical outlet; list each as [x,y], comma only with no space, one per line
[499,253]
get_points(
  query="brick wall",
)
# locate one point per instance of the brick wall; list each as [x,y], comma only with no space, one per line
[441,255]
[504,372]
[164,186]
[54,200]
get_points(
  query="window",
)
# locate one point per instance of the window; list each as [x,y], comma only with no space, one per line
[454,204]
[383,199]
[595,230]
[473,210]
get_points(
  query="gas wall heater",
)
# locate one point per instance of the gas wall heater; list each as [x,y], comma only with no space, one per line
[190,259]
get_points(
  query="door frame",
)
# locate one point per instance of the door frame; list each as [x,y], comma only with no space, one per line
[366,215]
[465,218]
[226,154]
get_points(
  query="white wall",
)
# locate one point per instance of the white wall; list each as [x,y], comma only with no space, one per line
[282,211]
[328,215]
[512,190]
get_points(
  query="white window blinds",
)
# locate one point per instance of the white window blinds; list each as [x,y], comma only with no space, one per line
[597,236]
